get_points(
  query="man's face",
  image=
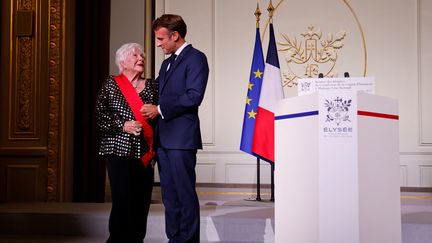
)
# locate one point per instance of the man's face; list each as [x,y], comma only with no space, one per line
[166,40]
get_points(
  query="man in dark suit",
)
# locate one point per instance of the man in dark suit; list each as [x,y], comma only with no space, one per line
[182,83]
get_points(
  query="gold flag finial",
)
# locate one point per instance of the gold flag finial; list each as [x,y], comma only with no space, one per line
[257,15]
[270,9]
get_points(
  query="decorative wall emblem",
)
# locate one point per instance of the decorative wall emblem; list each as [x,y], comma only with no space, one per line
[337,110]
[310,55]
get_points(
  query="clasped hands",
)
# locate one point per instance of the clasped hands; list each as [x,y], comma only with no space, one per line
[132,127]
[135,127]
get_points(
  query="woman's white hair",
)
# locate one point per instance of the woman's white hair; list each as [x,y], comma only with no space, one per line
[124,51]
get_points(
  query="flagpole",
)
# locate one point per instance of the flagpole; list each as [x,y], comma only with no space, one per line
[258,196]
[272,183]
[252,101]
[270,9]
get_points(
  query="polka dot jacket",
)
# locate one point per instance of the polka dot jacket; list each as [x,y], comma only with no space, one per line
[112,111]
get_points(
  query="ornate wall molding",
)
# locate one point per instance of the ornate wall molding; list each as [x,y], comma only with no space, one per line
[55,74]
[25,77]
[25,69]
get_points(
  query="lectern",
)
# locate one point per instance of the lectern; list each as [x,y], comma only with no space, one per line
[337,176]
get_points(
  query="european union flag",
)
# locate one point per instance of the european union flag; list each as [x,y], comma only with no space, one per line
[271,93]
[253,95]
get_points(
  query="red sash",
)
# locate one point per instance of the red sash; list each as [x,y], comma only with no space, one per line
[135,104]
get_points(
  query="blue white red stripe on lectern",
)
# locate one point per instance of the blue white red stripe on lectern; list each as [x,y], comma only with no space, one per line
[296,115]
[360,113]
[379,115]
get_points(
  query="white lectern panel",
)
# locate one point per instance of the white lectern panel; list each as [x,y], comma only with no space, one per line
[337,169]
[379,189]
[296,182]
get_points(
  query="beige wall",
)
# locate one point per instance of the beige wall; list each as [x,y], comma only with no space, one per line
[395,43]
[127,25]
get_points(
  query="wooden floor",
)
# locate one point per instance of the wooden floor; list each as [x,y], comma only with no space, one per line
[227,215]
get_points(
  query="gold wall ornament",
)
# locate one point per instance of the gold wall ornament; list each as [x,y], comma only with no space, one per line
[25,4]
[291,15]
[55,105]
[25,88]
[25,64]
[312,53]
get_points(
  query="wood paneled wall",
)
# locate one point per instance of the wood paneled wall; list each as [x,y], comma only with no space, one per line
[32,95]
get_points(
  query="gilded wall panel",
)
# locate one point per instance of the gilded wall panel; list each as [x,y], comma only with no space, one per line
[24,80]
[31,99]
[55,104]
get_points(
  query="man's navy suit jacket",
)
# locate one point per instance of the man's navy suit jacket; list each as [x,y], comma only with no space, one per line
[181,91]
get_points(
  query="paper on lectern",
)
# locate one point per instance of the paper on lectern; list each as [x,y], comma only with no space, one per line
[311,85]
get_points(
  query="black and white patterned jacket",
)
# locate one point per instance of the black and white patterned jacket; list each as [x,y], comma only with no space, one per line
[112,111]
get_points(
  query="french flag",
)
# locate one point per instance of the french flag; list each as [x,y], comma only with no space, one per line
[271,93]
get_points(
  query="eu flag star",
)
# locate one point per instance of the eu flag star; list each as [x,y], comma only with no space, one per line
[252,114]
[250,86]
[258,74]
[248,100]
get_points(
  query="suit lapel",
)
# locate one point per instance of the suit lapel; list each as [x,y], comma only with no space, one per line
[167,73]
[162,75]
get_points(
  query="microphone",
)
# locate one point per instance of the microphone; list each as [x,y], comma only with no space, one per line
[346,74]
[320,75]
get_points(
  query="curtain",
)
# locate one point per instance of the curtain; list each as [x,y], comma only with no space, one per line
[91,68]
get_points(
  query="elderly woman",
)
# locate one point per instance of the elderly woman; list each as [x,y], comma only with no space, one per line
[127,143]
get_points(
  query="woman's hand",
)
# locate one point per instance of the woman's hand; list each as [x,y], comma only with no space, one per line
[132,127]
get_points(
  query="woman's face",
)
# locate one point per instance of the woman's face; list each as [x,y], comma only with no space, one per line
[134,61]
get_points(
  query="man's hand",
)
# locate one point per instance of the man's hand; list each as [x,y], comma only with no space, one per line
[149,111]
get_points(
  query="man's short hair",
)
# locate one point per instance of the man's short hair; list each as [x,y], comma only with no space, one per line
[171,22]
